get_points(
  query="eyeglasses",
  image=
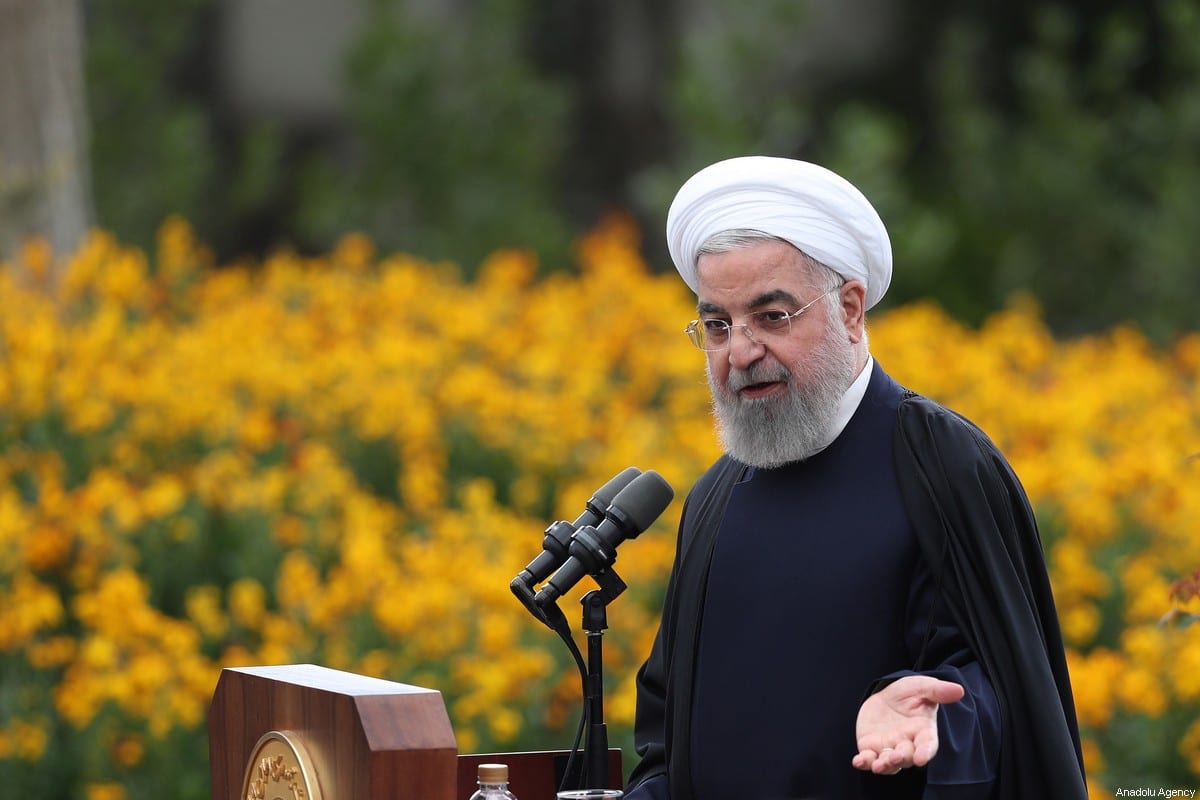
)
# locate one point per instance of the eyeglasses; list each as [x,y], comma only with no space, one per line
[713,335]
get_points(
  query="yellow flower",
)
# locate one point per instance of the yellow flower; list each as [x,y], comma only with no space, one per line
[361,463]
[106,791]
[503,724]
[46,548]
[247,602]
[257,431]
[204,610]
[354,251]
[128,750]
[1142,691]
[1093,679]
[1189,747]
[52,653]
[163,497]
[24,739]
[1184,666]
[27,608]
[298,581]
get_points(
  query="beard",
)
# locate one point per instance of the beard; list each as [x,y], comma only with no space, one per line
[769,432]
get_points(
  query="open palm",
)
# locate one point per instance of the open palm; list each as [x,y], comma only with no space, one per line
[897,726]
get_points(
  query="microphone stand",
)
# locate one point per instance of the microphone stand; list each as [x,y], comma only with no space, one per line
[595,621]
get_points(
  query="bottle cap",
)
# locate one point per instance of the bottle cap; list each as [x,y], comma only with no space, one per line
[493,773]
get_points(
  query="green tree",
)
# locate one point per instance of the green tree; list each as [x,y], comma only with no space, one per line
[1057,165]
[154,143]
[1084,194]
[456,140]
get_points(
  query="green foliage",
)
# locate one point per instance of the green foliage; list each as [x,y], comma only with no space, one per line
[451,145]
[153,148]
[1078,194]
[456,139]
[1062,164]
[1135,748]
[1079,188]
[736,90]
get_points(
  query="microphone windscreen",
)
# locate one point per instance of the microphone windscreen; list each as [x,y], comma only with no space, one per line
[643,500]
[608,492]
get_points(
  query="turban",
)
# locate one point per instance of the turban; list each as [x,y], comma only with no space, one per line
[818,211]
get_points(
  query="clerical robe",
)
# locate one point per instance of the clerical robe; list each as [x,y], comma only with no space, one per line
[905,547]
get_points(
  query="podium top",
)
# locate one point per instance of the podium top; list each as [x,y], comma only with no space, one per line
[313,676]
[367,738]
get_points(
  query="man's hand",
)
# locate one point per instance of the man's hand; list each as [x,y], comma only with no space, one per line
[897,726]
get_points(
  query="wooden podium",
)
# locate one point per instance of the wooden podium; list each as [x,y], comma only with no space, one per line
[354,737]
[304,732]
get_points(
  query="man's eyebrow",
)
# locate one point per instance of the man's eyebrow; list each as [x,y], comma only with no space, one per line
[764,299]
[773,296]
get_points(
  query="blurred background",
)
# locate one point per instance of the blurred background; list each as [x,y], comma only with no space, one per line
[1049,148]
[308,305]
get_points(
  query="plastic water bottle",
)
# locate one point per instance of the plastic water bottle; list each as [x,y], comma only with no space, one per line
[493,783]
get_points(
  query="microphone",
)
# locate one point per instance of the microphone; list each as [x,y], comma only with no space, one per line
[558,535]
[594,549]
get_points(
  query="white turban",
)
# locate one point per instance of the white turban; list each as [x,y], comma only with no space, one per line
[818,211]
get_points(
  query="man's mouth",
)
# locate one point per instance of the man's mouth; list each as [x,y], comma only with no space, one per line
[763,389]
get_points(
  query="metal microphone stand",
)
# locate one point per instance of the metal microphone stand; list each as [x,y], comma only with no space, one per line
[595,621]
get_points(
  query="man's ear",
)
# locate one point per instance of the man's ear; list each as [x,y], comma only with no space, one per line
[853,295]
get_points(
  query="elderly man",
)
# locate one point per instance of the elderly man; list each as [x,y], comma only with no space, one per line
[859,605]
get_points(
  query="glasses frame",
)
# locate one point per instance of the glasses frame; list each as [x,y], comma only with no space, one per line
[696,335]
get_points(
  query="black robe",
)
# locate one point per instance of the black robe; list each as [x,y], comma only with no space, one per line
[978,534]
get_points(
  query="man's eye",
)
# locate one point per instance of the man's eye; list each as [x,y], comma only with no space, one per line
[772,318]
[715,327]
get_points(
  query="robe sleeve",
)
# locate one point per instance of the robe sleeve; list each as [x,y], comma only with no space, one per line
[979,536]
[969,730]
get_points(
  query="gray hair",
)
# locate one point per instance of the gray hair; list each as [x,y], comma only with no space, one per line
[823,278]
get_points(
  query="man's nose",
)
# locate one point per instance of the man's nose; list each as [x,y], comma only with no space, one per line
[743,349]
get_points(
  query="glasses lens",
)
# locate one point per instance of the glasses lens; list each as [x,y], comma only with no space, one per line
[708,334]
[772,321]
[714,334]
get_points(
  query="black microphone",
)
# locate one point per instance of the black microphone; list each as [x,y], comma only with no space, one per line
[594,549]
[558,535]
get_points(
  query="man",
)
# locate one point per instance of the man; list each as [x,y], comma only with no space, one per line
[859,605]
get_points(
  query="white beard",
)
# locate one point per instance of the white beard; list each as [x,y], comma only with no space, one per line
[771,431]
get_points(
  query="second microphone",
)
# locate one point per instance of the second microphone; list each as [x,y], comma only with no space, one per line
[594,549]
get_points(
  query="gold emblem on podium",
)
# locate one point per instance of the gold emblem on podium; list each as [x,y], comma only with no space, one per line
[280,769]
